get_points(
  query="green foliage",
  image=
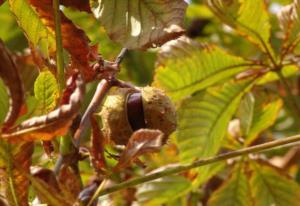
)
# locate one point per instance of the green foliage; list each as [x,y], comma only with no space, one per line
[46,91]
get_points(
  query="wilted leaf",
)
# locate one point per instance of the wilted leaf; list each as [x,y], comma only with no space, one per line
[289,23]
[141,142]
[244,17]
[74,39]
[11,78]
[195,69]
[46,91]
[55,123]
[235,191]
[15,160]
[97,147]
[203,119]
[46,187]
[162,190]
[87,193]
[141,23]
[272,187]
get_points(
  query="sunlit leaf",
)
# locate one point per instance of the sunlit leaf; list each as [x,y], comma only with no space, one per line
[56,122]
[264,116]
[244,17]
[287,71]
[272,187]
[30,22]
[46,91]
[203,119]
[140,23]
[162,190]
[15,160]
[11,78]
[235,191]
[196,69]
[141,142]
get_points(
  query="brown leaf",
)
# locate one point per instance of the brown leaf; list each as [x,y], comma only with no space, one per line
[87,193]
[11,78]
[97,149]
[81,5]
[57,122]
[141,142]
[74,39]
[18,162]
[46,187]
[69,181]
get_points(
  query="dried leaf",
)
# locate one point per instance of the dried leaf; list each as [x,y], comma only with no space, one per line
[69,182]
[15,161]
[97,149]
[55,123]
[87,193]
[141,24]
[10,76]
[141,142]
[46,187]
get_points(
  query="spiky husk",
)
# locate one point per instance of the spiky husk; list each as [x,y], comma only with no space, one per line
[159,111]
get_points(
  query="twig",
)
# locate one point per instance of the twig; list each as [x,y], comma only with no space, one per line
[100,93]
[199,163]
[121,56]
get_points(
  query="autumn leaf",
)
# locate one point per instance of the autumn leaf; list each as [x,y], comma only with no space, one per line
[11,78]
[15,160]
[81,5]
[141,142]
[55,123]
[141,24]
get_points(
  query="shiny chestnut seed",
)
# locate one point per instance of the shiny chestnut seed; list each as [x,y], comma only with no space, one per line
[125,110]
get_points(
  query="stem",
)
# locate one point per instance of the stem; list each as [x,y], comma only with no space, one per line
[290,97]
[198,163]
[59,48]
[100,93]
[121,56]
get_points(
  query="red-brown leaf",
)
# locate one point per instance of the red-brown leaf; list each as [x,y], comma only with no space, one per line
[10,76]
[57,122]
[97,149]
[141,142]
[74,39]
[81,5]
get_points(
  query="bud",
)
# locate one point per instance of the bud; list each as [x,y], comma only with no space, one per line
[125,110]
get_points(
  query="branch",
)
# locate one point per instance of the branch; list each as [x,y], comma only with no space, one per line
[199,163]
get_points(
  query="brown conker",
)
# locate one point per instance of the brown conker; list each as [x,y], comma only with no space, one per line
[126,110]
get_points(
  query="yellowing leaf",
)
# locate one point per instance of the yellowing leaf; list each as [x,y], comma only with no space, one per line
[46,91]
[272,187]
[235,191]
[249,18]
[194,68]
[140,23]
[203,119]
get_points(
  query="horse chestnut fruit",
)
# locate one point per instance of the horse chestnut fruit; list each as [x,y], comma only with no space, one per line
[126,110]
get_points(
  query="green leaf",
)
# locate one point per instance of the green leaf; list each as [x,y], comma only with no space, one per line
[235,191]
[4,101]
[249,18]
[46,91]
[36,31]
[272,187]
[264,116]
[287,71]
[246,112]
[203,119]
[140,23]
[162,190]
[195,68]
